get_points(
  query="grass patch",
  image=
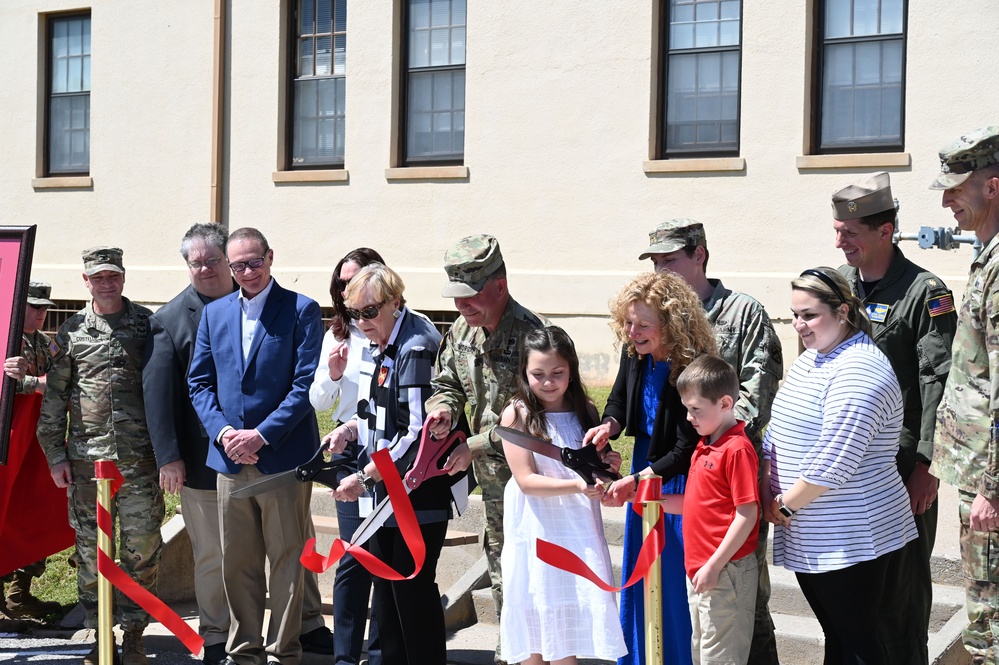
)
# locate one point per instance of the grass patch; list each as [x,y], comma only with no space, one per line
[58,584]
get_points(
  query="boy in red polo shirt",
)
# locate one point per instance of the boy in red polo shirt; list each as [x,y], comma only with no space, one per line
[720,518]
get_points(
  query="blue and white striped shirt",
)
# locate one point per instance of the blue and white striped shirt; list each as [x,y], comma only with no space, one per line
[835,423]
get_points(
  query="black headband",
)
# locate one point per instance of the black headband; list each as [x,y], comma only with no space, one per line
[827,281]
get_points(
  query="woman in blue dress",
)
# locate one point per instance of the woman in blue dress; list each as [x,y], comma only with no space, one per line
[662,327]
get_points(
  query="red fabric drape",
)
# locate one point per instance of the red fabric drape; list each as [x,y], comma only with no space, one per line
[34,520]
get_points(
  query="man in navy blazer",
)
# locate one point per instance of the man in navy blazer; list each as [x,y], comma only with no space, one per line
[254,360]
[181,443]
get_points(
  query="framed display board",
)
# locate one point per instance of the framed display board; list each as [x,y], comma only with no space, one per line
[17,243]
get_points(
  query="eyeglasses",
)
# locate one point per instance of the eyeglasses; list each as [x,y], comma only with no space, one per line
[368,313]
[341,284]
[240,266]
[208,263]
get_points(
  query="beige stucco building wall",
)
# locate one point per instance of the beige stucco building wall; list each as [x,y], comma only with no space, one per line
[559,104]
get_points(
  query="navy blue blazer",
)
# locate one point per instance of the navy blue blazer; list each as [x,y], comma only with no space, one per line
[269,391]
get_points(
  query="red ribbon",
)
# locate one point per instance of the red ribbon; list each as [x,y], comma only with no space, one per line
[120,579]
[649,490]
[404,515]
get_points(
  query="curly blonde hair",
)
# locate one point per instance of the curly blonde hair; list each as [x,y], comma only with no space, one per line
[683,326]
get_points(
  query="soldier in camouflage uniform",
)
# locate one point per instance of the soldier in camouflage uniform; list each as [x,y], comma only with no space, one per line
[966,441]
[96,383]
[913,317]
[29,370]
[477,365]
[748,342]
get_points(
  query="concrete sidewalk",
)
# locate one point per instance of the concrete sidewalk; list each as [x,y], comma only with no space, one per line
[474,644]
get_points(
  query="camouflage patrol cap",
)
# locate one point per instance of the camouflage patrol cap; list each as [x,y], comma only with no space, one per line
[675,234]
[38,294]
[867,196]
[469,263]
[97,259]
[968,153]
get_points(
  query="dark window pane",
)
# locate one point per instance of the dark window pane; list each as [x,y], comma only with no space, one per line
[69,96]
[702,79]
[69,133]
[861,94]
[435,123]
[318,136]
[318,94]
[435,99]
[307,17]
[324,16]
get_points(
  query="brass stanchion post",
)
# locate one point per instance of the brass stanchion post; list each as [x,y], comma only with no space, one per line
[653,578]
[105,598]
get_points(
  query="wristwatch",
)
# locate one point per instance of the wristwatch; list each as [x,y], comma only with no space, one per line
[784,510]
[367,482]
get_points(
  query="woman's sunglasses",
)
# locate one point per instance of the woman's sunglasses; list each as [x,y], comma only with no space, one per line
[368,313]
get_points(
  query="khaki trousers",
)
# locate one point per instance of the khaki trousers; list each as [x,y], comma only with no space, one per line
[272,526]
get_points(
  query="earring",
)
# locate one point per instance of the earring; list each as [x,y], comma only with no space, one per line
[397,313]
[841,321]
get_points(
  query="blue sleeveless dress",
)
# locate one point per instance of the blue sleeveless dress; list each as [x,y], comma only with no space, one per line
[676,614]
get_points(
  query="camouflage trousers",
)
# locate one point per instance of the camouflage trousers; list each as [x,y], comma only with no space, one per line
[492,474]
[980,556]
[763,649]
[139,508]
[37,569]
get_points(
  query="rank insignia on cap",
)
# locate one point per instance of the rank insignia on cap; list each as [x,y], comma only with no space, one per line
[852,206]
[940,305]
[877,312]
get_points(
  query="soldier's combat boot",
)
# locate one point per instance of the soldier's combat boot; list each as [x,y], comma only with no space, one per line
[20,602]
[93,658]
[132,650]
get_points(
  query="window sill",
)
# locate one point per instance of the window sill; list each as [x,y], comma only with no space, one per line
[853,161]
[63,182]
[696,165]
[427,173]
[330,175]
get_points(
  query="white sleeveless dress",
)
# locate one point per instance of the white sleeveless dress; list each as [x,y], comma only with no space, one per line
[546,610]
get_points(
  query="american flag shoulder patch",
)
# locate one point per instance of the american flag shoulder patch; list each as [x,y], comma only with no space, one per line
[940,305]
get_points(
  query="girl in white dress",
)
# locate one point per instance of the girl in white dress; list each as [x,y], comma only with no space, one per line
[550,615]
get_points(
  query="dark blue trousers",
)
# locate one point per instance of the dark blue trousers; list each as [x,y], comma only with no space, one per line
[351,589]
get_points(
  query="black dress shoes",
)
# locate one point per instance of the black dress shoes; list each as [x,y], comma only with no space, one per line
[319,641]
[215,654]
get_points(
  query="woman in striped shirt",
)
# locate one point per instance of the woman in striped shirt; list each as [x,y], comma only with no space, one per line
[830,479]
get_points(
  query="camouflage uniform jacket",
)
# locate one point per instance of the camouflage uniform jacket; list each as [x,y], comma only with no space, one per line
[965,453]
[913,318]
[480,368]
[748,342]
[96,378]
[36,348]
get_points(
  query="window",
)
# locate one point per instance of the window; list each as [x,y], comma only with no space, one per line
[702,56]
[861,76]
[68,110]
[435,82]
[318,89]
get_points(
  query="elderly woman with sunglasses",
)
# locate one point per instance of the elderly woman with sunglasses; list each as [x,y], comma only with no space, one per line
[336,379]
[396,368]
[830,479]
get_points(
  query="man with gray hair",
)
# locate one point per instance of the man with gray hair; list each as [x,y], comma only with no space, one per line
[748,342]
[477,366]
[966,440]
[181,443]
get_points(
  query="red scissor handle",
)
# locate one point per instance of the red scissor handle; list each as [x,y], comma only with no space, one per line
[432,456]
